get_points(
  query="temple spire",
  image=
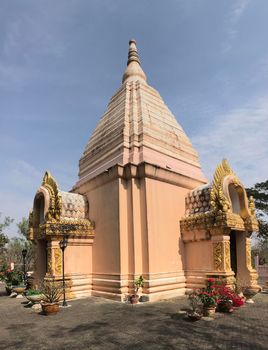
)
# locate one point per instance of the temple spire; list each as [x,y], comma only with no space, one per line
[133,71]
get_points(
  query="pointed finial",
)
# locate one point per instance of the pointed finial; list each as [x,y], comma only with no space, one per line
[133,52]
[133,71]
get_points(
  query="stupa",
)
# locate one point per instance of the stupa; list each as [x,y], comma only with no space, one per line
[142,207]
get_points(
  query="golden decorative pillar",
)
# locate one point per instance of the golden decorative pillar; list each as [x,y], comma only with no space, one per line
[221,259]
[49,261]
[221,254]
[248,253]
[54,259]
[58,261]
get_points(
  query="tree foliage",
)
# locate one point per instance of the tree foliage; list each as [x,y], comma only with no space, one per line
[3,225]
[23,226]
[12,248]
[260,193]
[13,253]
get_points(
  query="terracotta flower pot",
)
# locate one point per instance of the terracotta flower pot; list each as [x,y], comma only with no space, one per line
[134,299]
[19,289]
[209,311]
[194,316]
[50,309]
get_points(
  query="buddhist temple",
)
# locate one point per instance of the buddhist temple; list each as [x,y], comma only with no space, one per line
[142,206]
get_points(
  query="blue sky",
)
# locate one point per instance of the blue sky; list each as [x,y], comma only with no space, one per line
[61,61]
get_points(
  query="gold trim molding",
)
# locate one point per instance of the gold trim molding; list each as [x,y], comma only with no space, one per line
[54,226]
[219,214]
[49,261]
[218,200]
[57,261]
[248,254]
[221,256]
[55,205]
[81,227]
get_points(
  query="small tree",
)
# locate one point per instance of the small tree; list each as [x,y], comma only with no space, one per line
[3,226]
[260,193]
[13,253]
[14,247]
[3,237]
[139,282]
[23,226]
[52,291]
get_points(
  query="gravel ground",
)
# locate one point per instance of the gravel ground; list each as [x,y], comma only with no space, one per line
[98,324]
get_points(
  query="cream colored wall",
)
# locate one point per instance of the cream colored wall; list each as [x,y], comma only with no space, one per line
[164,204]
[165,207]
[198,256]
[78,257]
[125,227]
[103,210]
[133,227]
[137,230]
[150,242]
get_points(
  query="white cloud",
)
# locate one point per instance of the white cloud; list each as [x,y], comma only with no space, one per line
[239,135]
[237,10]
[23,174]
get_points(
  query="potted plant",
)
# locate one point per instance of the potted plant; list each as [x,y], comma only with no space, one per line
[225,297]
[238,289]
[208,297]
[34,295]
[209,303]
[238,300]
[228,298]
[52,292]
[195,313]
[12,279]
[225,305]
[138,283]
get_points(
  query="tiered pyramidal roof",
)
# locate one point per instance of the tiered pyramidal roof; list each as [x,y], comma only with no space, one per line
[138,127]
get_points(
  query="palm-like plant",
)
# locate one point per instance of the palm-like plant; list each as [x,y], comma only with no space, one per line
[52,291]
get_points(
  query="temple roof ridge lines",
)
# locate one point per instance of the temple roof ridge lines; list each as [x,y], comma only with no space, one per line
[137,127]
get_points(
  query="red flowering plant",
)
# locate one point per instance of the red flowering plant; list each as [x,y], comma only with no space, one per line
[10,277]
[238,301]
[208,295]
[227,297]
[217,293]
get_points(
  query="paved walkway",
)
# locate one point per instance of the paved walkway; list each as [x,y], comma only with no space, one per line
[98,324]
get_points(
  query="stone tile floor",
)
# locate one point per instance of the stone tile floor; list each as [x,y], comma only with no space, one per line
[98,324]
